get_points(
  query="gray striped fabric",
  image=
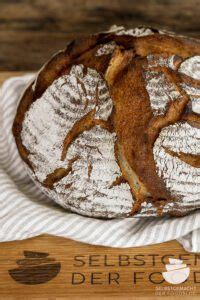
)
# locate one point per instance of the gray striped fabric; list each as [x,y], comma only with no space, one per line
[25,212]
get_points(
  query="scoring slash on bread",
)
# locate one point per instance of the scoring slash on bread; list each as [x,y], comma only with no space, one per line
[111,128]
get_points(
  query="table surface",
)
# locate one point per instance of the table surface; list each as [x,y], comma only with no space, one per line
[86,271]
[31,31]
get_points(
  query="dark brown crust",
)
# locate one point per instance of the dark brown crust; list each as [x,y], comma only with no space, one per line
[192,160]
[132,100]
[126,78]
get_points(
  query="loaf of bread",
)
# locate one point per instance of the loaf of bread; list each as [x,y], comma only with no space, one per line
[111,127]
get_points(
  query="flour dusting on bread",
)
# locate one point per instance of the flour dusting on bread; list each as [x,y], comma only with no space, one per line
[106,49]
[138,31]
[54,114]
[181,178]
[191,68]
[50,118]
[161,91]
[90,183]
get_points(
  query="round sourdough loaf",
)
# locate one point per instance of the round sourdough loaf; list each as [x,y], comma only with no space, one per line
[110,127]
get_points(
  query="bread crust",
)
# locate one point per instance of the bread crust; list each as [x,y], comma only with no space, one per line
[132,119]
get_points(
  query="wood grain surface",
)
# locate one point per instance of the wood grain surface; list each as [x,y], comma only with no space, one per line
[94,265]
[31,31]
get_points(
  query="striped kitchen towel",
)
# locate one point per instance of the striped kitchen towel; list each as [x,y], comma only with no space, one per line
[25,212]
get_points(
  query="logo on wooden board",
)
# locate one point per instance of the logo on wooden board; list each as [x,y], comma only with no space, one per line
[35,268]
[169,275]
[177,272]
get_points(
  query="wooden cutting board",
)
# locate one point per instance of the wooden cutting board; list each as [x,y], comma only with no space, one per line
[48,267]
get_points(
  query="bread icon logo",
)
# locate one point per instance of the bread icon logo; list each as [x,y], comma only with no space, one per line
[35,268]
[177,272]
